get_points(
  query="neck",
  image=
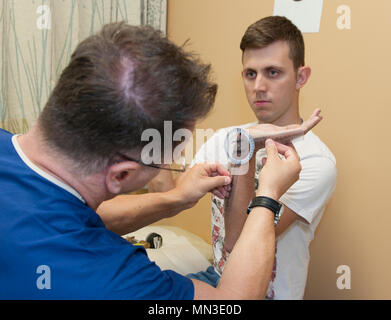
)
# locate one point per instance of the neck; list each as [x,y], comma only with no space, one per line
[289,117]
[91,188]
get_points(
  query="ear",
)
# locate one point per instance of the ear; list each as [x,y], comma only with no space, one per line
[119,174]
[303,75]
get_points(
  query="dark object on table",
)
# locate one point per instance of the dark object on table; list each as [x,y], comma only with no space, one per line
[155,240]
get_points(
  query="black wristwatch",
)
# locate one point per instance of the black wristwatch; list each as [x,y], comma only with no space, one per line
[273,205]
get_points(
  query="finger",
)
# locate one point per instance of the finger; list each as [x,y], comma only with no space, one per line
[271,149]
[222,170]
[316,112]
[217,194]
[313,120]
[221,195]
[288,151]
[222,191]
[283,147]
[227,187]
[216,182]
[216,169]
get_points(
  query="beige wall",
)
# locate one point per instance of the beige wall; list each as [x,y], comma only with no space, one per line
[350,82]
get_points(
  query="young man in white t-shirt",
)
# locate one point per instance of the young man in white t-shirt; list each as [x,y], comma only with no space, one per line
[273,74]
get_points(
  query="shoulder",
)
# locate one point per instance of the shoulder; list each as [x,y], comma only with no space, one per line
[312,147]
[4,132]
[5,136]
[318,177]
[317,161]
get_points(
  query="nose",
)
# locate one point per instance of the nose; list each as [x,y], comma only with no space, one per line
[260,83]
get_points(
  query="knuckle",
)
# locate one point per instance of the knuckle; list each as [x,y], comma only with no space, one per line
[298,169]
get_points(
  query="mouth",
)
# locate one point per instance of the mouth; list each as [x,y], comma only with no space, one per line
[261,103]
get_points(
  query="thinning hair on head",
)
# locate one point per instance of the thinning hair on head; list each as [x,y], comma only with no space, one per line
[118,83]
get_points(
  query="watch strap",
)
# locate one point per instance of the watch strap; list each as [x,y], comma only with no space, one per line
[269,203]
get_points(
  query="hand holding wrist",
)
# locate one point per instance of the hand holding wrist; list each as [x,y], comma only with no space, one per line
[180,199]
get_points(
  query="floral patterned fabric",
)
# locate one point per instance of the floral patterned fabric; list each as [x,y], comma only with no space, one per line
[220,254]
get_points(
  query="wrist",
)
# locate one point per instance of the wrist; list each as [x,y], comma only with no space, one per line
[264,201]
[267,193]
[178,200]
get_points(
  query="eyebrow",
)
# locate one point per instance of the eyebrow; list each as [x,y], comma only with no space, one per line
[265,68]
[274,67]
[249,69]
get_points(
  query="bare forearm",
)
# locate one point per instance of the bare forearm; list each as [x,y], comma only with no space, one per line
[128,213]
[125,214]
[163,182]
[256,246]
[249,267]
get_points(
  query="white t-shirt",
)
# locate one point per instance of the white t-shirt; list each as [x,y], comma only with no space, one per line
[307,198]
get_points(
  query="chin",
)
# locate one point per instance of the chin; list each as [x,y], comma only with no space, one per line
[265,117]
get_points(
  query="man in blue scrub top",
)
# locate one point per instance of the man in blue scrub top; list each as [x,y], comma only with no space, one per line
[86,148]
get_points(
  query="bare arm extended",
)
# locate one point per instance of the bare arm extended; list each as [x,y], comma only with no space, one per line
[127,213]
[242,188]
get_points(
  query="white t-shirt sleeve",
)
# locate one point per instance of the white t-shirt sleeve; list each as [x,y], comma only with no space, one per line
[212,151]
[313,189]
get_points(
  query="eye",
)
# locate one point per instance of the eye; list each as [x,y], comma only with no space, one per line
[273,73]
[251,74]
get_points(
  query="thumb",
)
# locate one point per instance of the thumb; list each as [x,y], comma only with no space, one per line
[271,149]
[215,182]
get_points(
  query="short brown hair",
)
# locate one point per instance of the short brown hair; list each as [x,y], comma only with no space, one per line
[275,28]
[120,82]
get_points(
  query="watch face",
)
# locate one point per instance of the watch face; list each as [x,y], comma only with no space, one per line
[239,146]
